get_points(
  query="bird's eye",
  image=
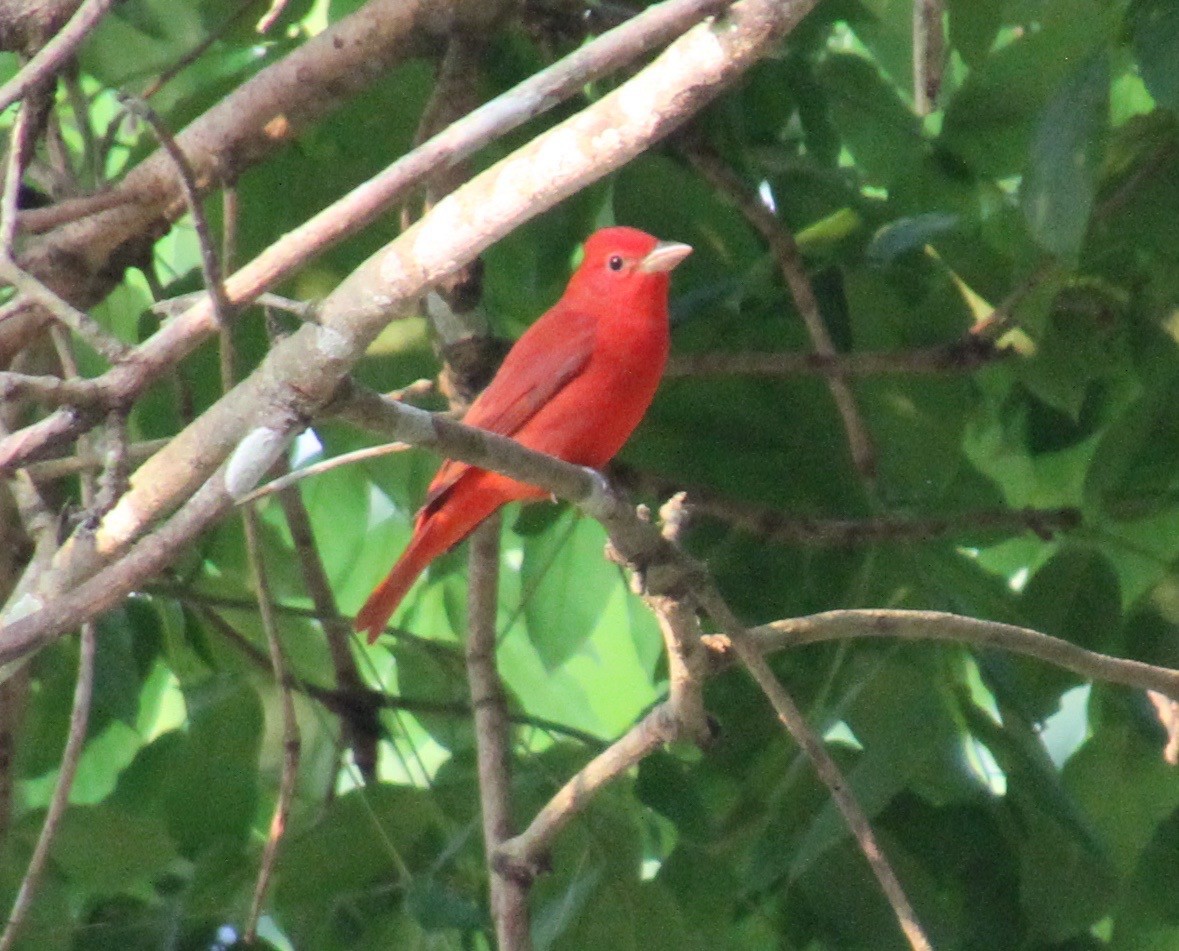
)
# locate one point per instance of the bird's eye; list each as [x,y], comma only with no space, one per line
[615,262]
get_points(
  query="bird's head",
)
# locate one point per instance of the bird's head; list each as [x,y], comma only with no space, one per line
[627,266]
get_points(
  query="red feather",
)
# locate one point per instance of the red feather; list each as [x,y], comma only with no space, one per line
[575,385]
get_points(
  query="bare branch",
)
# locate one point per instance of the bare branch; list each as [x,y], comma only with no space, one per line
[20,145]
[509,894]
[53,55]
[210,262]
[938,625]
[85,326]
[360,727]
[52,390]
[786,528]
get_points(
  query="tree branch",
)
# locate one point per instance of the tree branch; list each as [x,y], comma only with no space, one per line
[938,625]
[509,895]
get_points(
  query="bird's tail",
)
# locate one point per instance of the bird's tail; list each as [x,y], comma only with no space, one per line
[437,531]
[381,604]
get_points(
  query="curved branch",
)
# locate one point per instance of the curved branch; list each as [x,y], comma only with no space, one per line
[938,625]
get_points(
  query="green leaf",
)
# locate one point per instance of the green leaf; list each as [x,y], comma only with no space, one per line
[1075,597]
[438,907]
[565,584]
[908,234]
[1145,919]
[973,28]
[1125,786]
[350,859]
[991,120]
[211,789]
[106,851]
[666,785]
[1060,179]
[878,129]
[1079,346]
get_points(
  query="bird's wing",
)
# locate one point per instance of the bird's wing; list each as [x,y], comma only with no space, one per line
[550,354]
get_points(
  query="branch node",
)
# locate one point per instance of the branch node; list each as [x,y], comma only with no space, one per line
[513,863]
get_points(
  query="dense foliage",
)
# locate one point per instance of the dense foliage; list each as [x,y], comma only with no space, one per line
[1027,472]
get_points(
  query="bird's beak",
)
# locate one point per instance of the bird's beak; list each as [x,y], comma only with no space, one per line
[664,256]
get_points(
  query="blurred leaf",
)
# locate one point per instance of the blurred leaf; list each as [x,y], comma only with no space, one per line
[973,28]
[565,583]
[351,855]
[211,787]
[1128,790]
[879,130]
[990,120]
[907,234]
[1145,917]
[666,785]
[437,907]
[1058,183]
[107,851]
[1075,597]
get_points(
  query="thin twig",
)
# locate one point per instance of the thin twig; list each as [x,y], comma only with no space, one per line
[290,725]
[244,7]
[284,482]
[51,469]
[789,259]
[526,855]
[210,262]
[343,703]
[91,168]
[360,727]
[75,740]
[51,390]
[825,766]
[787,528]
[955,628]
[40,220]
[270,17]
[19,148]
[53,55]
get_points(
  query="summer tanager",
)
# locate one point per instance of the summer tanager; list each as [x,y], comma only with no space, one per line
[575,386]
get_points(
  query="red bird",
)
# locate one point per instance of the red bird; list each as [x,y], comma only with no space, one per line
[575,386]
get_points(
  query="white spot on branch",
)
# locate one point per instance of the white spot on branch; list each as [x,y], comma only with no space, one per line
[254,455]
